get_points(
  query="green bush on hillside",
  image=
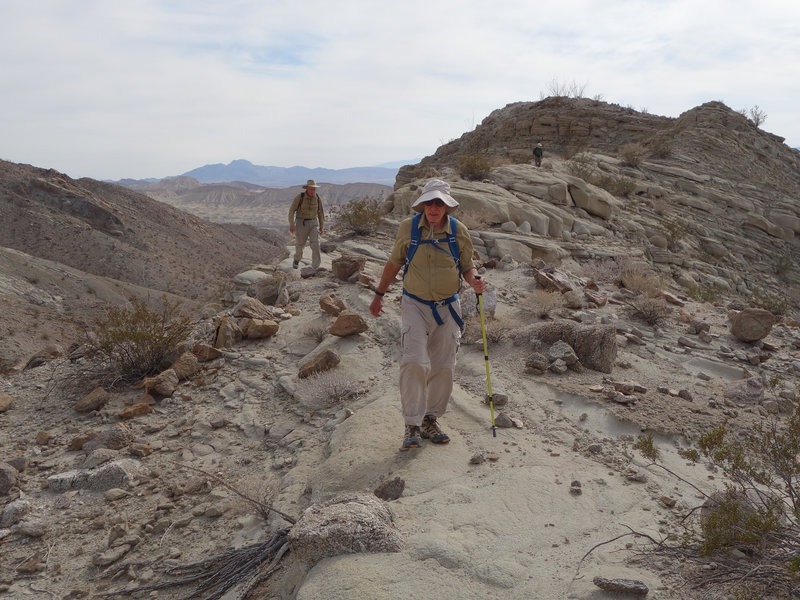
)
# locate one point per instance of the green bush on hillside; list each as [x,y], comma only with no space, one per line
[133,342]
[360,216]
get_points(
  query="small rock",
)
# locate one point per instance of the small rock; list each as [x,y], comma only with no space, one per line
[390,490]
[135,410]
[5,402]
[503,420]
[94,400]
[477,459]
[8,478]
[110,556]
[115,494]
[621,586]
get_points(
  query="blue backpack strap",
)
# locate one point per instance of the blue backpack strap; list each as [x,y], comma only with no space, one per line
[412,247]
[453,243]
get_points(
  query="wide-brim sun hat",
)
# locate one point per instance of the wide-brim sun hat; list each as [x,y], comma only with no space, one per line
[310,184]
[435,188]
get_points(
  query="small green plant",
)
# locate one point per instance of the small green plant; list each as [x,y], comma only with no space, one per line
[710,292]
[133,341]
[360,216]
[644,444]
[473,167]
[618,185]
[775,303]
[783,264]
[582,166]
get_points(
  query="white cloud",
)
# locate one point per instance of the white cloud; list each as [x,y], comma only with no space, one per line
[155,88]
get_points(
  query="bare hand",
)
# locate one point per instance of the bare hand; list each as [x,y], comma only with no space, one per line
[376,307]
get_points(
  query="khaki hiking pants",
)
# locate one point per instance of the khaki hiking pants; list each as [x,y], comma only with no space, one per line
[429,359]
[307,230]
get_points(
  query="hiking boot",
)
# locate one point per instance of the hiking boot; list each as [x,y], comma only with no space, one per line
[432,431]
[295,263]
[412,438]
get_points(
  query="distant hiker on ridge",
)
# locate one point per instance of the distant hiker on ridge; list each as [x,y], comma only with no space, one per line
[306,220]
[538,151]
[435,252]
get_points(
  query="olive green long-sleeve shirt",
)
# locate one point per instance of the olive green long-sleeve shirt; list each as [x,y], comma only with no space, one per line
[311,208]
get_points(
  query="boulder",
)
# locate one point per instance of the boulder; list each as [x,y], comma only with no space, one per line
[324,361]
[251,308]
[227,333]
[348,324]
[595,345]
[163,384]
[205,352]
[8,478]
[5,402]
[350,524]
[332,305]
[185,366]
[752,324]
[256,329]
[270,290]
[345,266]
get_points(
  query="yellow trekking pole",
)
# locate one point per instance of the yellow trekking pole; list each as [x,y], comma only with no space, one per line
[486,360]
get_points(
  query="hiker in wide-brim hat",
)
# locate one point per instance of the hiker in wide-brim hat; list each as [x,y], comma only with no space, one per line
[435,252]
[306,221]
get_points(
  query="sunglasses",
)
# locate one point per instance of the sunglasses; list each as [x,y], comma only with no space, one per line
[437,202]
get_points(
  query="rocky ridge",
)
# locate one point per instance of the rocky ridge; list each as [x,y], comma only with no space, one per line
[103,489]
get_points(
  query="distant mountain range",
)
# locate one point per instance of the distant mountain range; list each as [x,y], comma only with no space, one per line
[277,177]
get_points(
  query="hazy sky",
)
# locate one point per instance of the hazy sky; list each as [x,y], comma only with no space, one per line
[150,88]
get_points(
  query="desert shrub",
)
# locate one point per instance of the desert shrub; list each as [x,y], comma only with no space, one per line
[618,185]
[473,167]
[563,89]
[638,278]
[498,329]
[602,270]
[132,342]
[660,146]
[755,114]
[542,302]
[775,303]
[360,216]
[783,264]
[644,444]
[582,166]
[674,230]
[329,388]
[759,508]
[316,330]
[632,154]
[652,311]
[705,292]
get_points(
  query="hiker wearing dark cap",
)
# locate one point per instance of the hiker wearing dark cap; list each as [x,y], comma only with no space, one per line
[538,151]
[306,221]
[435,252]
